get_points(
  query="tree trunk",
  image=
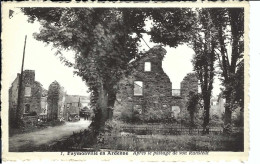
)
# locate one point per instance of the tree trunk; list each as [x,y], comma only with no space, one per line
[206,101]
[191,119]
[111,103]
[101,114]
[228,113]
[97,126]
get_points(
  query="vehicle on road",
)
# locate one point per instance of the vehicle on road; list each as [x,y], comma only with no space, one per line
[74,117]
[85,113]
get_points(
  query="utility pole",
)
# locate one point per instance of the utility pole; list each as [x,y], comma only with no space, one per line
[19,107]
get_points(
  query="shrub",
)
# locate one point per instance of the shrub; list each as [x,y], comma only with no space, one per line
[126,115]
[153,116]
[216,121]
[32,113]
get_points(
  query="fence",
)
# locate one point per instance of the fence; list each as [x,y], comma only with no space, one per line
[167,130]
[142,138]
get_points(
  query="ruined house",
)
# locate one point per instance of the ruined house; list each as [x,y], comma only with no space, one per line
[148,87]
[44,105]
[30,99]
[55,101]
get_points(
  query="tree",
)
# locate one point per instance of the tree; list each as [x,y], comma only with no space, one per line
[103,44]
[196,29]
[239,85]
[204,44]
[192,106]
[171,26]
[229,23]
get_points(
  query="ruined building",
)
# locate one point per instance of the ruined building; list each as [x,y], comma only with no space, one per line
[148,87]
[189,84]
[37,102]
[44,105]
[31,93]
[55,101]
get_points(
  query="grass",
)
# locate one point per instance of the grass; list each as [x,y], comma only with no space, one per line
[175,143]
[118,138]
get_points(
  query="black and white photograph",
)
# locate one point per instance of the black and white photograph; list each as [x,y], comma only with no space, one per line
[126,79]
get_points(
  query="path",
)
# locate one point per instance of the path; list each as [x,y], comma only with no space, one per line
[44,136]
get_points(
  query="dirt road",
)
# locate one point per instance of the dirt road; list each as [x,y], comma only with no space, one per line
[33,139]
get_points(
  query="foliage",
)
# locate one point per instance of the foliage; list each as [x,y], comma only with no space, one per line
[238,117]
[126,115]
[150,116]
[103,44]
[216,121]
[229,23]
[204,44]
[172,26]
[197,29]
[32,113]
[153,115]
[239,87]
[175,143]
[193,105]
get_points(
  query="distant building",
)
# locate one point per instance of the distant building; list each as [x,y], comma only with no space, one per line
[30,99]
[217,106]
[73,104]
[221,103]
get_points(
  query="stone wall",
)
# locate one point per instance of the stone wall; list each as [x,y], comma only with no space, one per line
[13,97]
[30,100]
[44,104]
[157,87]
[55,99]
[61,103]
[33,100]
[188,84]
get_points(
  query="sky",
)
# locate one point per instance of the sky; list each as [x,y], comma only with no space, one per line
[48,68]
[38,57]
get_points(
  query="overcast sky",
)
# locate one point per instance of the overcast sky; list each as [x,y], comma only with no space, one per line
[47,66]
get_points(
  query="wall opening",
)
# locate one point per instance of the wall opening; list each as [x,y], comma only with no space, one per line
[138,109]
[147,66]
[27,91]
[27,108]
[138,88]
[175,111]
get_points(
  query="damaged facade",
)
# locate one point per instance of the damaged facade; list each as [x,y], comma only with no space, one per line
[30,100]
[149,88]
[55,101]
[38,104]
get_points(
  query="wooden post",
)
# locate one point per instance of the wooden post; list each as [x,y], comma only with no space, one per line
[19,107]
